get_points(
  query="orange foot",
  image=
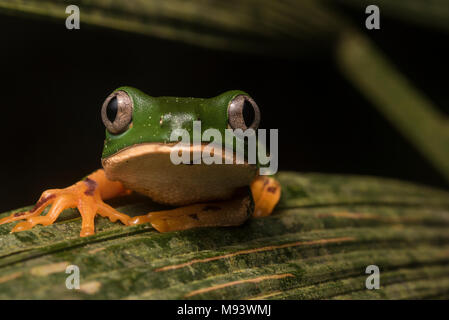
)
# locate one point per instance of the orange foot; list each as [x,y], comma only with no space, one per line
[266,194]
[86,195]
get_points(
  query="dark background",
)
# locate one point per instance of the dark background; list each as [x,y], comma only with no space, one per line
[54,81]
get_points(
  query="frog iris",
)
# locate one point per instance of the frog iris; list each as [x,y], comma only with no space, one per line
[117,111]
[243,113]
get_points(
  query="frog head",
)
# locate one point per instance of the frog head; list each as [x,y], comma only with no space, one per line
[138,144]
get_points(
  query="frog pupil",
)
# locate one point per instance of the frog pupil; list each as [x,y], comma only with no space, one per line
[111,110]
[248,113]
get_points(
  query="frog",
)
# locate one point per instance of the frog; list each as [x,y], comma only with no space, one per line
[136,158]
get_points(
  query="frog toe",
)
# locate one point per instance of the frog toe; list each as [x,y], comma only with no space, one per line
[21,226]
[107,211]
[266,194]
[60,203]
[47,198]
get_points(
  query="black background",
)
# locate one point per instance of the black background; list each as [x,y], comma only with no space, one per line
[54,80]
[280,309]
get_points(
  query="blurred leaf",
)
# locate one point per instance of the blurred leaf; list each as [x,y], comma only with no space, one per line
[257,26]
[429,13]
[412,112]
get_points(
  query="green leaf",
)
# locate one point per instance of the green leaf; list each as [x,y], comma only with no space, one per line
[324,233]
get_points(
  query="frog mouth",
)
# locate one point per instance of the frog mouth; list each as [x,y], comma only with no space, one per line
[148,169]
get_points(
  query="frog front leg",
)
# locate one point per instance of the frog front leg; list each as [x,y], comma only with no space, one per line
[265,195]
[86,195]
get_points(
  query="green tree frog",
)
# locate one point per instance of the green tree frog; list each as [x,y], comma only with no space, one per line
[136,157]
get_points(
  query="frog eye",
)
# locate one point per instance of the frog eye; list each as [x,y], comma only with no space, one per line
[117,111]
[243,113]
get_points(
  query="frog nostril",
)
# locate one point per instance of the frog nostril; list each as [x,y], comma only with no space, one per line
[111,110]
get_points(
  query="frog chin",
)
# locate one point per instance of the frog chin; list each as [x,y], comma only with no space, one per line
[147,168]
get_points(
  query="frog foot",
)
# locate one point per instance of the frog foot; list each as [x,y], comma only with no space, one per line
[84,195]
[224,213]
[266,194]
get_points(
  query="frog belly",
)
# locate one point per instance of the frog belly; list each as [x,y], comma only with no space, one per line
[147,169]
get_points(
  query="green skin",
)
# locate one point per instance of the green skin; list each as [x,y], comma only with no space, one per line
[175,113]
